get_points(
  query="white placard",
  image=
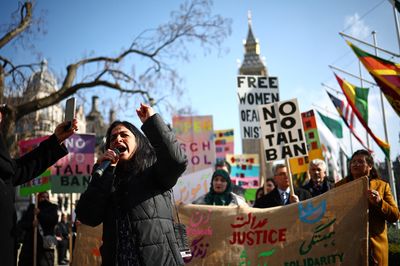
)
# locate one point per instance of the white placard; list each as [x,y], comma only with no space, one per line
[282,130]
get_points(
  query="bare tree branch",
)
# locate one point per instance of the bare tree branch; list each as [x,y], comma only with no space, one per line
[26,16]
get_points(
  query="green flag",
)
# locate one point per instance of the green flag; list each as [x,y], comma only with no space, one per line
[334,125]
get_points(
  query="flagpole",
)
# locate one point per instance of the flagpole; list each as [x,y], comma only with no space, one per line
[396,20]
[362,86]
[388,160]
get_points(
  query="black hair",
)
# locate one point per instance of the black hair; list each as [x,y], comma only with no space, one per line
[373,173]
[271,180]
[144,155]
[222,163]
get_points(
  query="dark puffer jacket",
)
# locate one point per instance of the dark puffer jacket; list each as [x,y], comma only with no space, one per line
[146,198]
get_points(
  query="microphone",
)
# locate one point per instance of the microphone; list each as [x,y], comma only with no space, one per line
[105,164]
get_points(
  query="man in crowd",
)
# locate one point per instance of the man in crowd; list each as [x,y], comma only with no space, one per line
[46,220]
[62,240]
[319,182]
[281,193]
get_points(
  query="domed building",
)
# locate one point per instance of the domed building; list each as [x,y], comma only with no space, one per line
[42,122]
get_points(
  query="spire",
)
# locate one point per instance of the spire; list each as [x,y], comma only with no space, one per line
[252,63]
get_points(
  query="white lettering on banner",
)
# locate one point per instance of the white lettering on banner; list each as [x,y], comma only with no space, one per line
[74,143]
[282,130]
[252,92]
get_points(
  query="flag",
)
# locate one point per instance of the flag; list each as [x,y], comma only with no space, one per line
[351,95]
[385,73]
[347,115]
[334,125]
[356,96]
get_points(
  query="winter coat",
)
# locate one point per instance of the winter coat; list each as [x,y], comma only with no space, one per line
[14,172]
[378,215]
[48,219]
[146,198]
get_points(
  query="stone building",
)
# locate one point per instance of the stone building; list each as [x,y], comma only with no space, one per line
[253,65]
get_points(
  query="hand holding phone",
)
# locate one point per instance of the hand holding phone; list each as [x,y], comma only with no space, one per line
[69,112]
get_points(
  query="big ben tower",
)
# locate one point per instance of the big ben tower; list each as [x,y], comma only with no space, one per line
[252,65]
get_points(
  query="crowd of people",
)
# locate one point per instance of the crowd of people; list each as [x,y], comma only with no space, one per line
[130,193]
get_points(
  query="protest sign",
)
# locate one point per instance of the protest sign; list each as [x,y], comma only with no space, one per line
[299,165]
[195,134]
[72,172]
[245,169]
[43,181]
[224,143]
[191,186]
[69,174]
[254,91]
[282,130]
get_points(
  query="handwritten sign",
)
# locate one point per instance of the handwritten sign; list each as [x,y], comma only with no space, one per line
[196,137]
[282,130]
[253,91]
[191,186]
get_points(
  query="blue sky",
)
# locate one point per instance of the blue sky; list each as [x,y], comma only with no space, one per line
[298,40]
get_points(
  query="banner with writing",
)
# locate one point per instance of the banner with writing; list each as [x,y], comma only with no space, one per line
[245,169]
[330,229]
[191,186]
[72,173]
[254,91]
[196,137]
[224,143]
[282,130]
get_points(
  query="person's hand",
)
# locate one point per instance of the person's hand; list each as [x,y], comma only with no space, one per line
[109,155]
[35,222]
[294,198]
[373,197]
[63,134]
[36,211]
[144,112]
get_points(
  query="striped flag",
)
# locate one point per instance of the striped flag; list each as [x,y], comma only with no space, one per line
[347,115]
[385,73]
[344,111]
[358,100]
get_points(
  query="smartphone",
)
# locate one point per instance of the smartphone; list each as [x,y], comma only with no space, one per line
[69,112]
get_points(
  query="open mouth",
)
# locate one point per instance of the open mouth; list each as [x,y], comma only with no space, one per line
[121,149]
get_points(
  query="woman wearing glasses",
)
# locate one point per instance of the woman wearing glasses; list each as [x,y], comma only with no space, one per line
[382,206]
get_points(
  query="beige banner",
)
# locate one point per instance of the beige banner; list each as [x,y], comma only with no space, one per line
[330,229]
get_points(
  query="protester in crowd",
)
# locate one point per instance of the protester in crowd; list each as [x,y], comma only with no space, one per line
[280,195]
[319,182]
[382,207]
[259,192]
[14,172]
[133,196]
[221,192]
[268,187]
[47,218]
[225,165]
[62,235]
